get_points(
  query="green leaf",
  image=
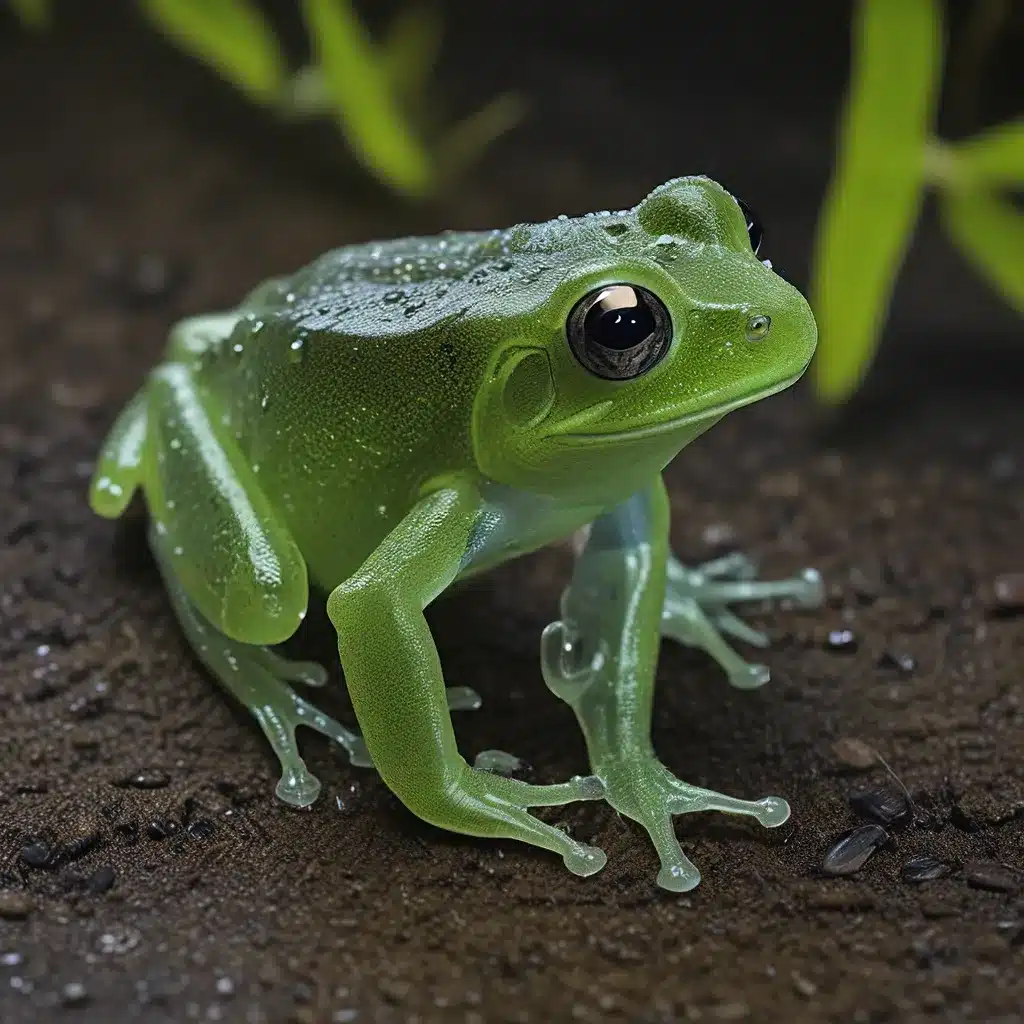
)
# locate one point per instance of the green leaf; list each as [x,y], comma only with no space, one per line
[33,14]
[990,233]
[875,195]
[363,101]
[231,36]
[468,138]
[410,49]
[993,157]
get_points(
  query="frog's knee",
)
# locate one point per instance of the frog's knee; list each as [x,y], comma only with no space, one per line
[257,613]
[261,602]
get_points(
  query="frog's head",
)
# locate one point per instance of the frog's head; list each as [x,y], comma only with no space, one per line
[656,322]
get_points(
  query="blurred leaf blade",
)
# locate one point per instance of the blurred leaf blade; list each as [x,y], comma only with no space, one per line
[36,15]
[876,192]
[410,50]
[231,36]
[993,157]
[990,233]
[362,98]
[468,138]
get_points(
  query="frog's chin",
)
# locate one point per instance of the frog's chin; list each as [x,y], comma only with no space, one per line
[692,419]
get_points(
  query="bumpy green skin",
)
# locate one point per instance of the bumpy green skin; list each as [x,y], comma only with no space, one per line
[397,416]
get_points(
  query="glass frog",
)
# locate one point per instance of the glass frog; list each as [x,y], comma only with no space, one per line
[401,415]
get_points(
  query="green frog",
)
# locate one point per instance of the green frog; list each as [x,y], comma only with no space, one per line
[400,416]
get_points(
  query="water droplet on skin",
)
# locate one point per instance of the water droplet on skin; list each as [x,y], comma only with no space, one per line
[296,350]
[238,348]
[258,326]
[265,401]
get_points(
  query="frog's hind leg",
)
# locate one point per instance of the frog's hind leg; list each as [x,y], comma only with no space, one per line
[259,678]
[235,576]
[696,609]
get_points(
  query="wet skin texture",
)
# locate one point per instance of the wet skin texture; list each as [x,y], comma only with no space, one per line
[399,416]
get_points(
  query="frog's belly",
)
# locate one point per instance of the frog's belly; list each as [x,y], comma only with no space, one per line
[515,522]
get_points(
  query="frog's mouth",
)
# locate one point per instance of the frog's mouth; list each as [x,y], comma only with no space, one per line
[666,426]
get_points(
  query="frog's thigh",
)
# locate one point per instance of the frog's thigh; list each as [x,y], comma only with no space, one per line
[397,688]
[224,543]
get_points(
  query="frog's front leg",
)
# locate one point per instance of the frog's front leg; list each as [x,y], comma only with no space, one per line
[601,659]
[397,688]
[696,609]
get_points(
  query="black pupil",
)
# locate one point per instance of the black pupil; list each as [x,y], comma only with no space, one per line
[754,230]
[617,326]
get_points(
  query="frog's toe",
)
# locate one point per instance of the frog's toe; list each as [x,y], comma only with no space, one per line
[309,673]
[733,566]
[299,789]
[298,786]
[749,675]
[585,860]
[348,739]
[809,589]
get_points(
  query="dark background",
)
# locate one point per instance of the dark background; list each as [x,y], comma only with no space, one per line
[134,189]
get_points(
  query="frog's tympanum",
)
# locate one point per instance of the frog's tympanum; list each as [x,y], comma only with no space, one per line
[399,416]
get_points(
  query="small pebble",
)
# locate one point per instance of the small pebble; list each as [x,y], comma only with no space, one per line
[991,875]
[899,660]
[225,986]
[842,640]
[161,828]
[925,868]
[201,828]
[145,780]
[852,852]
[36,855]
[804,986]
[854,753]
[1008,591]
[74,993]
[101,879]
[15,906]
[885,806]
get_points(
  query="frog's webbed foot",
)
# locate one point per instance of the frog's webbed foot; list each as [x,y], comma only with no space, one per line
[635,783]
[696,609]
[643,789]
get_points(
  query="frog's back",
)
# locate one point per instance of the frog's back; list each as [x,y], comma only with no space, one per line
[351,382]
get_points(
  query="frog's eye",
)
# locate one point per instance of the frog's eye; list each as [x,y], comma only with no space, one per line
[754,230]
[619,331]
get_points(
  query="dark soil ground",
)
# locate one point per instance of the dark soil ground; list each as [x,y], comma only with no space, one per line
[147,872]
